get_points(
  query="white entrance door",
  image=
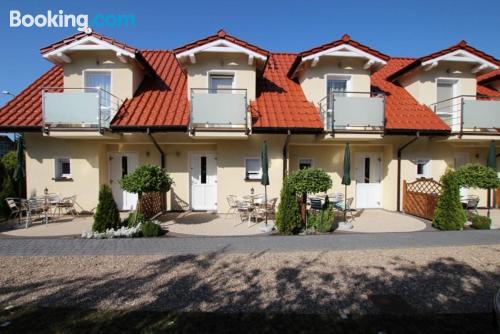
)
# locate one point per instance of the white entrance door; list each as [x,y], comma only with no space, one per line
[448,107]
[368,176]
[203,178]
[120,165]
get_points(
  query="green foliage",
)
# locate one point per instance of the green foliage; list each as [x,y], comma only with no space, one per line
[106,215]
[449,214]
[321,221]
[6,189]
[477,176]
[288,215]
[10,161]
[481,222]
[310,181]
[151,229]
[134,218]
[146,178]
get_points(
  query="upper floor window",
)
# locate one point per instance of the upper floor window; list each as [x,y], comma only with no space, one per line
[102,80]
[335,85]
[221,83]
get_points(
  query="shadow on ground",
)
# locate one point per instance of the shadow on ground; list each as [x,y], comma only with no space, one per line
[219,283]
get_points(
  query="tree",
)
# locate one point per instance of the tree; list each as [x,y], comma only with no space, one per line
[106,215]
[9,161]
[145,179]
[309,181]
[288,215]
[449,214]
[6,188]
[477,176]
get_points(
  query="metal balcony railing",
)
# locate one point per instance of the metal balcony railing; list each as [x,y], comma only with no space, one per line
[78,108]
[469,113]
[219,108]
[353,111]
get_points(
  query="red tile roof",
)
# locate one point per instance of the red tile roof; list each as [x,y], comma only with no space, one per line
[402,111]
[159,102]
[489,77]
[346,39]
[25,110]
[76,37]
[281,103]
[461,45]
[221,34]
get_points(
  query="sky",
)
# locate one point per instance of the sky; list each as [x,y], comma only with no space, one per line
[395,27]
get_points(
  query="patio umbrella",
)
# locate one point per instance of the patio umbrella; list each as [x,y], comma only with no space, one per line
[265,173]
[346,177]
[491,162]
[19,171]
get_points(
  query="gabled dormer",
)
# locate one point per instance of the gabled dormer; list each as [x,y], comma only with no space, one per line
[336,77]
[221,73]
[99,74]
[446,81]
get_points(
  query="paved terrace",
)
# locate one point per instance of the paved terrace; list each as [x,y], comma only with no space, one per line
[203,245]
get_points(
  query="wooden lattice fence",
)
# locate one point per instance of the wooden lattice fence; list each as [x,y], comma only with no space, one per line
[152,204]
[420,197]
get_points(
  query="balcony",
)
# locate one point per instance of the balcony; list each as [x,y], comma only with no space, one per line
[470,114]
[353,112]
[218,110]
[72,109]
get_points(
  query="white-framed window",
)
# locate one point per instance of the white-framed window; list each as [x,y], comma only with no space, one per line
[306,163]
[423,167]
[62,168]
[336,85]
[100,79]
[253,169]
[221,83]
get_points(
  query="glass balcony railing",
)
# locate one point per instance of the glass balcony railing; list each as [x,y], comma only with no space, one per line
[353,111]
[469,113]
[218,108]
[70,108]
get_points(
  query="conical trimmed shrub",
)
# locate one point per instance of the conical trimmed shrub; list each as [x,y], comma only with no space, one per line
[288,216]
[449,214]
[106,215]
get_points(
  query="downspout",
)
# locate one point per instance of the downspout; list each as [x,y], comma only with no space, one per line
[400,151]
[285,154]
[162,163]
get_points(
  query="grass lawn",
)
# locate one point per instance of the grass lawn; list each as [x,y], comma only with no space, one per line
[35,319]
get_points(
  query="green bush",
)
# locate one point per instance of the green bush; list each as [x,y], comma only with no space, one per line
[308,181]
[134,218]
[288,215]
[322,220]
[481,222]
[449,214]
[477,176]
[106,215]
[151,229]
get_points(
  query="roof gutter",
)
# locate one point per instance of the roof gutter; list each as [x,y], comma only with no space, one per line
[400,152]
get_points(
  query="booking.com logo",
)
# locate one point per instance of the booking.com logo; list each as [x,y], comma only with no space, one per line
[61,20]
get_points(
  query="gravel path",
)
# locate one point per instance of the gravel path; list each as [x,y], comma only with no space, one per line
[442,279]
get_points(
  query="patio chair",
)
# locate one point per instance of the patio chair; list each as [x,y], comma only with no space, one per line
[66,204]
[232,201]
[269,208]
[14,206]
[245,211]
[346,205]
[470,204]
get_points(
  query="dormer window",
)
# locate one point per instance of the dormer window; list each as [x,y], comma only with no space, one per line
[335,86]
[221,83]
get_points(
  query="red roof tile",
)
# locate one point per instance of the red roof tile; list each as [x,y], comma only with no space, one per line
[25,110]
[76,37]
[489,77]
[158,102]
[221,34]
[461,45]
[402,111]
[281,103]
